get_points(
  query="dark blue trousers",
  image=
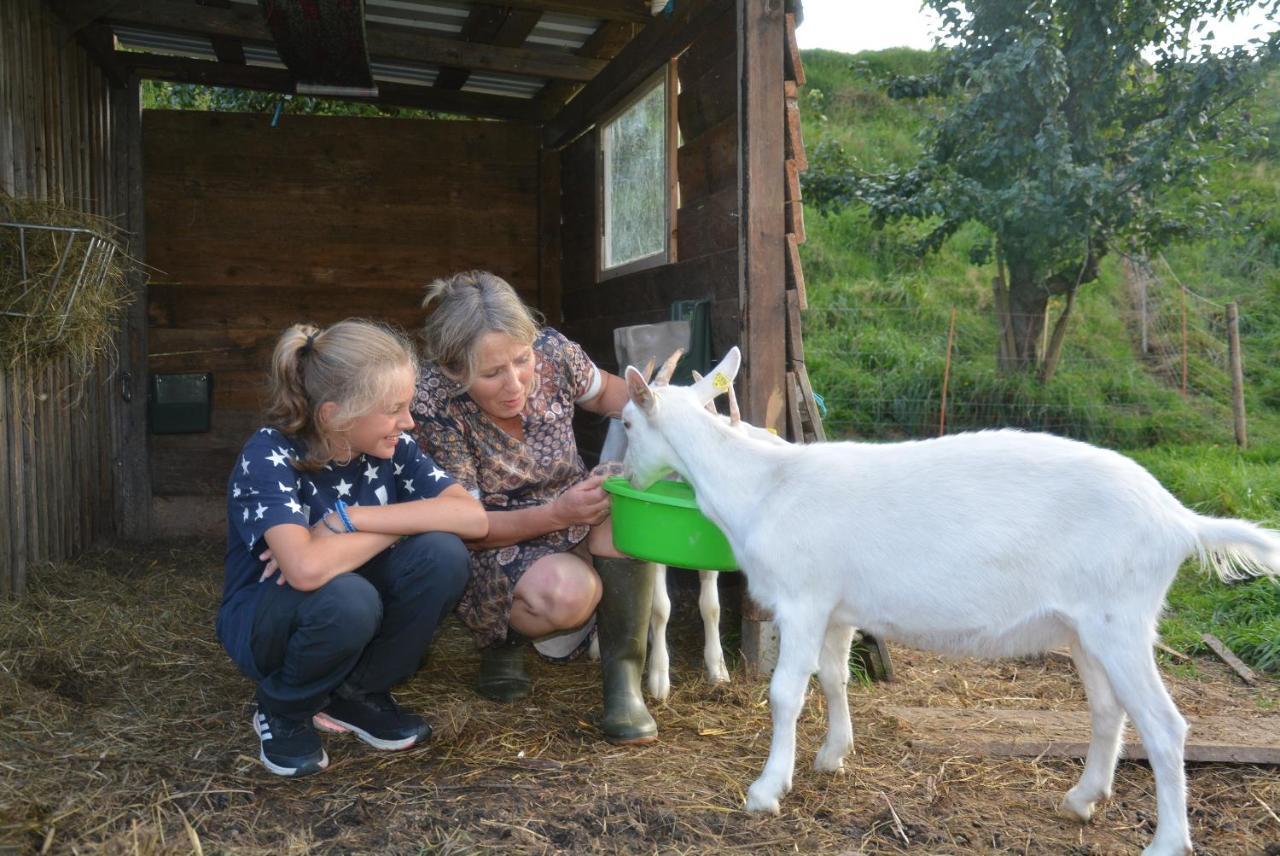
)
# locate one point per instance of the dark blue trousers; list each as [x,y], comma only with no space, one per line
[364,631]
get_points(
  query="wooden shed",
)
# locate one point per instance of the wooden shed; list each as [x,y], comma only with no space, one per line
[248,224]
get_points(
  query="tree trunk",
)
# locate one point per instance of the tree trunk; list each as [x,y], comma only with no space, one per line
[1023,312]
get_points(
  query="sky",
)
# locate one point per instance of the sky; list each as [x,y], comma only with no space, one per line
[858,25]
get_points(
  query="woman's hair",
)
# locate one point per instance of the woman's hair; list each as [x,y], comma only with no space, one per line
[468,305]
[353,363]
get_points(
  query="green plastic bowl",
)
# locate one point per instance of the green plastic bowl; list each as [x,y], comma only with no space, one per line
[663,524]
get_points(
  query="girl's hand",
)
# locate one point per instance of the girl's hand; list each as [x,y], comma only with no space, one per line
[585,502]
[272,567]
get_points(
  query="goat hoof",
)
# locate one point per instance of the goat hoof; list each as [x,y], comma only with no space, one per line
[1180,848]
[720,674]
[659,687]
[828,761]
[1077,809]
[758,802]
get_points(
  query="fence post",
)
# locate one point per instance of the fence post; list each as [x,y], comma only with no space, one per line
[946,375]
[1182,292]
[1237,373]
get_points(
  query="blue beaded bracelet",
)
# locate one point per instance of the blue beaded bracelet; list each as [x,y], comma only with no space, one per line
[341,508]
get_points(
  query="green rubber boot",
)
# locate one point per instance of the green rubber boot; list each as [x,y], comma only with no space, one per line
[622,620]
[502,674]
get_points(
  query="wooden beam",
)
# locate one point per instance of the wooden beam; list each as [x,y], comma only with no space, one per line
[226,48]
[605,43]
[181,70]
[490,25]
[385,42]
[655,45]
[609,10]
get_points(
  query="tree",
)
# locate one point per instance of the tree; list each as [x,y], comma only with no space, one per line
[1076,128]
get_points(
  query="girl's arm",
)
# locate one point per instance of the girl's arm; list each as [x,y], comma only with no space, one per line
[453,510]
[585,502]
[309,558]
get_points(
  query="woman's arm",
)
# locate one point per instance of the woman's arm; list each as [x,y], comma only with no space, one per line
[585,502]
[309,558]
[611,398]
[454,510]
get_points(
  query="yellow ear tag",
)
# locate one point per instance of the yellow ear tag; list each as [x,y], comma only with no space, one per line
[773,431]
[720,382]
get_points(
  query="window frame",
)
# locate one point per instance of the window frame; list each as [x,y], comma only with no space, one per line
[666,77]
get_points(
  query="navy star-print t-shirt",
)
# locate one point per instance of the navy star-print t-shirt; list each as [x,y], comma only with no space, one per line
[266,489]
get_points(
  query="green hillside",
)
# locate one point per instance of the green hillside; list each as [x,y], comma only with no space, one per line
[879,321]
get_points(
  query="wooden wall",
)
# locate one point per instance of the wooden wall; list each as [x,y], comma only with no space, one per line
[707,262]
[252,228]
[63,133]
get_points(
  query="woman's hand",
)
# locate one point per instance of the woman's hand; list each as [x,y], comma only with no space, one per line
[585,502]
[318,530]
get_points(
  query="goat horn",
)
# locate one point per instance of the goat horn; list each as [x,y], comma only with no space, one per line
[669,367]
[648,370]
[735,415]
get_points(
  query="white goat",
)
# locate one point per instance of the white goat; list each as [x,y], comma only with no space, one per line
[996,543]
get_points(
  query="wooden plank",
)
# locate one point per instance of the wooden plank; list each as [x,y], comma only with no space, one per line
[795,430]
[19,467]
[1228,656]
[794,136]
[665,37]
[806,391]
[8,563]
[709,99]
[710,224]
[605,43]
[488,24]
[1065,734]
[793,181]
[8,47]
[793,64]
[718,41]
[795,337]
[550,287]
[795,271]
[709,162]
[794,212]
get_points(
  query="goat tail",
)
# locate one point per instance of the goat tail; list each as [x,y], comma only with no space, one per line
[1237,549]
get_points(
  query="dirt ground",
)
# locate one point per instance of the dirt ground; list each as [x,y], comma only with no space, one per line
[125,729]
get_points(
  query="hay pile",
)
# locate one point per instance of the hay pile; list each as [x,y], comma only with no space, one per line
[70,296]
[125,729]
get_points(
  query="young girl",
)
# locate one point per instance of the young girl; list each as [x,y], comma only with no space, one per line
[324,494]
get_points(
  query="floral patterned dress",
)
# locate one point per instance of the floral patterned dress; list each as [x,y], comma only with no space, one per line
[506,473]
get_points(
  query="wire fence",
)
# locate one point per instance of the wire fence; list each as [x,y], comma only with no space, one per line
[1147,365]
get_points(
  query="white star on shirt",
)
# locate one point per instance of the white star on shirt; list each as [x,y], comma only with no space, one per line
[277,458]
[260,510]
[264,431]
[244,465]
[246,514]
[405,437]
[398,467]
[284,488]
[381,493]
[235,490]
[343,487]
[408,485]
[371,473]
[293,506]
[437,473]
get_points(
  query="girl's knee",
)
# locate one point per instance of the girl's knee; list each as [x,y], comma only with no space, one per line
[439,557]
[349,602]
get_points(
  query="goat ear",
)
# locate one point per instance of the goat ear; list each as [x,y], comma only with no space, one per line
[721,377]
[638,390]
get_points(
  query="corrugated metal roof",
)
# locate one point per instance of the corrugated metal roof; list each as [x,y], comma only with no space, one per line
[170,44]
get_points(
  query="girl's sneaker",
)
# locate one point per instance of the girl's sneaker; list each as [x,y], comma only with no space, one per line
[290,747]
[375,718]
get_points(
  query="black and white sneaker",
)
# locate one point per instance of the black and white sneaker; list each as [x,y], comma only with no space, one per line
[290,747]
[376,719]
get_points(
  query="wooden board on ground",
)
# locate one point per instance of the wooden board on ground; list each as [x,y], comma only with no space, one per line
[1065,734]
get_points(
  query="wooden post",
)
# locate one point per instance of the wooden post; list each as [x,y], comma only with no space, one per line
[130,462]
[762,248]
[946,375]
[1182,291]
[1237,373]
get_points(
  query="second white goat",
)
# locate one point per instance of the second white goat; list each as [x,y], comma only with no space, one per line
[996,543]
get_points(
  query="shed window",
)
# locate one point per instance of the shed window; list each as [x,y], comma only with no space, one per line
[636,164]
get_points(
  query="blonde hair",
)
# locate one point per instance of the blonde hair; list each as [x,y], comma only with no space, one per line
[468,305]
[353,363]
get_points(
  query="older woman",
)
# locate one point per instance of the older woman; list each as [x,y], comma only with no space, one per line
[494,407]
